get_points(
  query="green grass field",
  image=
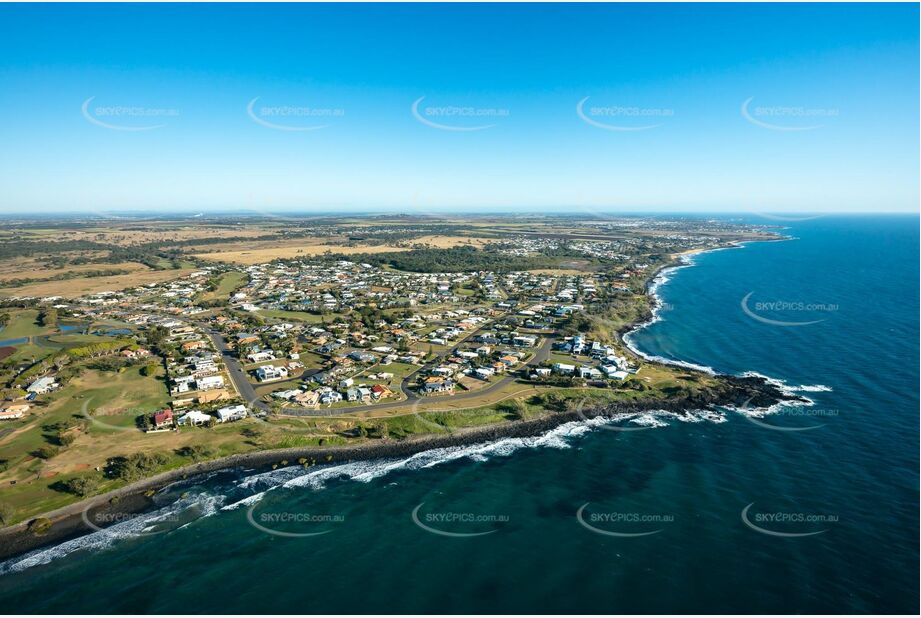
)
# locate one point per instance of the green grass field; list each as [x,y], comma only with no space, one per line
[229,282]
[23,324]
[399,371]
[104,393]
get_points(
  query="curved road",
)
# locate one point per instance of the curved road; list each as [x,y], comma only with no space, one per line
[248,393]
[542,354]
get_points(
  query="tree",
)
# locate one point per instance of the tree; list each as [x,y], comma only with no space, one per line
[48,316]
[135,466]
[148,369]
[156,335]
[65,439]
[142,422]
[196,452]
[79,486]
[46,452]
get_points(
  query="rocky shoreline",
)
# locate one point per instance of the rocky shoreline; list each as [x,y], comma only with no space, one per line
[72,521]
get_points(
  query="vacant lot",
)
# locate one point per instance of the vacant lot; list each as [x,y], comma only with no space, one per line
[306,249]
[30,268]
[311,247]
[229,282]
[140,233]
[117,393]
[72,288]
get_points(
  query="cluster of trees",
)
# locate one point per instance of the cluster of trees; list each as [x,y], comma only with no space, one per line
[81,486]
[135,466]
[196,452]
[455,259]
[30,248]
[156,335]
[39,368]
[48,316]
[58,436]
[576,323]
[369,316]
[98,349]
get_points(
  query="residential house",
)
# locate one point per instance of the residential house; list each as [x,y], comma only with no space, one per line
[13,412]
[163,418]
[209,383]
[270,372]
[231,413]
[194,418]
[564,368]
[379,391]
[484,373]
[436,385]
[42,386]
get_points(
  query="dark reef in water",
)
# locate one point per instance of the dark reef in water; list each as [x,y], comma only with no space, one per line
[69,522]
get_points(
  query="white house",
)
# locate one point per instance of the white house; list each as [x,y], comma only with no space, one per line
[613,372]
[483,373]
[194,417]
[209,383]
[42,386]
[13,412]
[231,413]
[438,386]
[528,341]
[564,368]
[269,372]
[331,397]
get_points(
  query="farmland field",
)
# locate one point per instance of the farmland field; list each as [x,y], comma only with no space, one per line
[72,288]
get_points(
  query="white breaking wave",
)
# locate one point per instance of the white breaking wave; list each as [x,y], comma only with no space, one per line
[789,389]
[659,280]
[662,278]
[144,525]
[367,471]
[201,505]
[784,388]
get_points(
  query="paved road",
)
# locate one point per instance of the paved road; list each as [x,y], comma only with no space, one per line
[248,393]
[235,371]
[542,354]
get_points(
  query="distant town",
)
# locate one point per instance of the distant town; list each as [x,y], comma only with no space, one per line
[132,347]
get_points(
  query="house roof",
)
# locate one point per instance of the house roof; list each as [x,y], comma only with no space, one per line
[163,415]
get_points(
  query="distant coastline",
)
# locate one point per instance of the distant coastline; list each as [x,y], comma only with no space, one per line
[69,521]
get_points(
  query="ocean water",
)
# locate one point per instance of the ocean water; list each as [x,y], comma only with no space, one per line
[810,509]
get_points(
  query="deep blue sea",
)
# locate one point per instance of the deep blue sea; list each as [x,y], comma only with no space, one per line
[813,509]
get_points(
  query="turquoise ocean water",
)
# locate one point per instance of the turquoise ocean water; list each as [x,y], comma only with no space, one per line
[811,509]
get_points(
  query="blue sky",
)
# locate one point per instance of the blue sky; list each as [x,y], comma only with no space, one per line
[139,107]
